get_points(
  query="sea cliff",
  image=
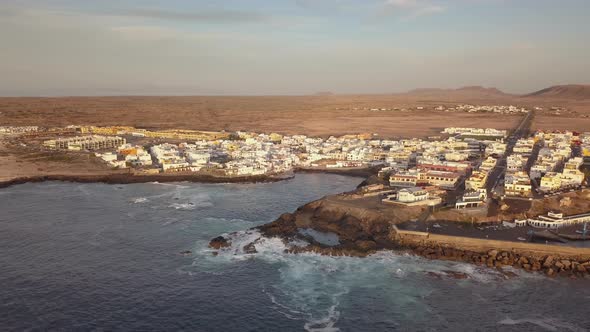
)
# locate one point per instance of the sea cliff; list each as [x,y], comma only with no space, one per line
[364,227]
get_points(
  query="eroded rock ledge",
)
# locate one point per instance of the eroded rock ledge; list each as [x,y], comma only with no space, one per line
[361,230]
[364,227]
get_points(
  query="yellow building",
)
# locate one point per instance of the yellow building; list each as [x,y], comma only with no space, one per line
[170,134]
[477,180]
[517,184]
[110,130]
[131,151]
[488,164]
[550,181]
[276,137]
[187,135]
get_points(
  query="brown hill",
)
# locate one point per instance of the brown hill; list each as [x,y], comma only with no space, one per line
[467,92]
[571,91]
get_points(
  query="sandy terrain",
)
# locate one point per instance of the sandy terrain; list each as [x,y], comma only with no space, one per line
[312,115]
[16,162]
[562,123]
[320,115]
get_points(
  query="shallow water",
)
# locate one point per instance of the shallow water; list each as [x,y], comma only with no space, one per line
[106,257]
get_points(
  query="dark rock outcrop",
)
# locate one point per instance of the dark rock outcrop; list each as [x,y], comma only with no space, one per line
[250,248]
[219,242]
[360,230]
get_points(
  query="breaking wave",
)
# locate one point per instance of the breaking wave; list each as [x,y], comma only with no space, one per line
[312,287]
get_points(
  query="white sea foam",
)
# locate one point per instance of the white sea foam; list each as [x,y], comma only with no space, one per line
[546,323]
[176,185]
[297,243]
[192,203]
[324,324]
[267,248]
[304,293]
[183,206]
[139,200]
[311,286]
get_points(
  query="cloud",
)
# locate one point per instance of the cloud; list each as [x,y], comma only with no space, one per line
[146,33]
[402,3]
[427,10]
[208,16]
[413,8]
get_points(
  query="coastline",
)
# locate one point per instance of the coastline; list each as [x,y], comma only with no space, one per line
[118,178]
[364,172]
[377,233]
[549,259]
[363,230]
[128,178]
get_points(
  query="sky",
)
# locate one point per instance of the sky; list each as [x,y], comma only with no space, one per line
[289,47]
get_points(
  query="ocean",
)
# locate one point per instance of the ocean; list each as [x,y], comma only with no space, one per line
[98,257]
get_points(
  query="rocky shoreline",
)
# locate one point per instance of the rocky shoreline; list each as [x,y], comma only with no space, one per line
[134,178]
[549,265]
[357,172]
[365,231]
[127,178]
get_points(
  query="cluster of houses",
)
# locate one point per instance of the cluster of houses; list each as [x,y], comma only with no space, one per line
[90,142]
[176,134]
[469,155]
[127,155]
[555,167]
[377,109]
[476,193]
[257,154]
[516,179]
[441,163]
[500,109]
[479,133]
[444,165]
[12,130]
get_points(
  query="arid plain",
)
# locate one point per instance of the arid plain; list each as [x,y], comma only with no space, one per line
[312,115]
[405,115]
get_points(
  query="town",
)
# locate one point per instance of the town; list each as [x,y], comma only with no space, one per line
[468,108]
[463,169]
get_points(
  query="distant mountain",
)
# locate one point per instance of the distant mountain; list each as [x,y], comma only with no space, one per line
[481,89]
[464,92]
[324,93]
[570,91]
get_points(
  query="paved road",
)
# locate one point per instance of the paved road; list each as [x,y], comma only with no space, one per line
[522,130]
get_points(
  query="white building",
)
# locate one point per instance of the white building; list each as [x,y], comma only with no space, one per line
[411,195]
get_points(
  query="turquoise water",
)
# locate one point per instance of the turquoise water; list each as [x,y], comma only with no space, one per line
[107,257]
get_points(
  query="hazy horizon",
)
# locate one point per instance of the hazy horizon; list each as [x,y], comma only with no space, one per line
[292,47]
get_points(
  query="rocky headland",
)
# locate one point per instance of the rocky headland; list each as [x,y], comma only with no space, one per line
[363,226]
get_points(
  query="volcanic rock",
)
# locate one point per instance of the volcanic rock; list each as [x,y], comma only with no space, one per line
[219,242]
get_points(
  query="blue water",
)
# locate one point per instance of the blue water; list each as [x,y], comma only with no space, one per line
[107,257]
